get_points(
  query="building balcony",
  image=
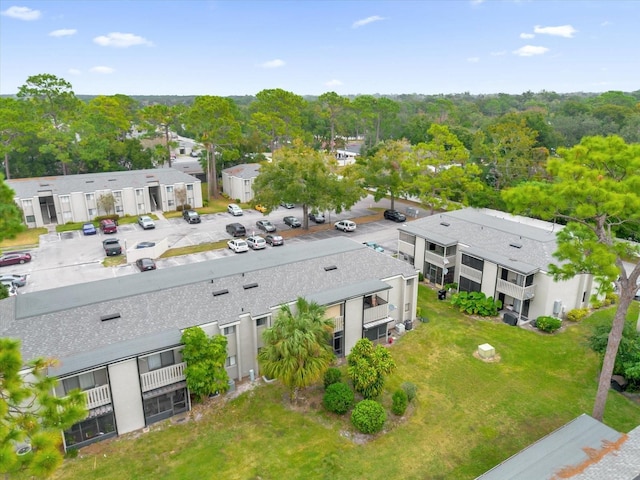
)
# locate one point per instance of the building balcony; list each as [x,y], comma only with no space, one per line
[338,323]
[514,290]
[162,377]
[97,397]
[471,273]
[374,313]
[439,260]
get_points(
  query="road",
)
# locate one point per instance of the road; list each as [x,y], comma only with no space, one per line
[69,258]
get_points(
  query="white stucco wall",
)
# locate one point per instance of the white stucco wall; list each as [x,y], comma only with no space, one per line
[126,395]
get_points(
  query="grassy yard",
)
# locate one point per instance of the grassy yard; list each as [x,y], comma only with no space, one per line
[469,415]
[26,239]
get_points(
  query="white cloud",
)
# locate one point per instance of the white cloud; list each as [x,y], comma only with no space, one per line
[333,83]
[527,35]
[565,31]
[366,21]
[101,69]
[75,71]
[530,51]
[277,63]
[121,40]
[473,59]
[65,32]
[22,13]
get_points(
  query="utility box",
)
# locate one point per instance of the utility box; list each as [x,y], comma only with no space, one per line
[442,294]
[486,351]
[510,318]
[400,328]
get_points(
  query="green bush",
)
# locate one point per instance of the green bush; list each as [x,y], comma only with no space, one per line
[548,324]
[368,416]
[596,304]
[577,314]
[400,402]
[115,217]
[610,298]
[410,389]
[338,398]
[476,303]
[331,376]
[420,277]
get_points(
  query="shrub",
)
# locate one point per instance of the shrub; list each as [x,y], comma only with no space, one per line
[610,298]
[420,277]
[180,208]
[368,416]
[476,303]
[338,398]
[577,314]
[548,324]
[331,376]
[596,304]
[114,217]
[410,389]
[400,402]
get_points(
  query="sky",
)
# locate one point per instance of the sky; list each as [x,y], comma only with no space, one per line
[356,47]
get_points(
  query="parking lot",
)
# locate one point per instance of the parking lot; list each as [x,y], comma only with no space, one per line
[70,257]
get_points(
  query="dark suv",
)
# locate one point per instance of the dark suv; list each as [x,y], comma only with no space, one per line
[394,215]
[236,230]
[191,216]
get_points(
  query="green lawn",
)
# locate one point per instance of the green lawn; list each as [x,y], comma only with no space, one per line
[28,239]
[468,417]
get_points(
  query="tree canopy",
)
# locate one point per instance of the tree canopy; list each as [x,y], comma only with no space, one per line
[10,215]
[205,358]
[367,366]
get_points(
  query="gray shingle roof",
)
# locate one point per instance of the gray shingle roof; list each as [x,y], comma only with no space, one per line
[65,322]
[490,237]
[91,182]
[246,170]
[567,449]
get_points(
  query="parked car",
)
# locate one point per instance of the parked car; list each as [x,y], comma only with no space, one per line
[145,264]
[375,246]
[256,242]
[146,222]
[266,226]
[13,258]
[345,225]
[236,230]
[111,247]
[12,290]
[287,205]
[260,208]
[234,210]
[191,216]
[395,215]
[274,240]
[317,217]
[293,222]
[238,245]
[17,280]
[146,244]
[108,226]
[89,229]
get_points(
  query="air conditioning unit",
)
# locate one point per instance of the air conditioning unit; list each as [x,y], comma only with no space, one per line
[400,328]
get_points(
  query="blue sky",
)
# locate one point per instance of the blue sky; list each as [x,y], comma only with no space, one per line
[199,47]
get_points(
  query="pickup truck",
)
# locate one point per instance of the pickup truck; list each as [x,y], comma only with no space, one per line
[111,247]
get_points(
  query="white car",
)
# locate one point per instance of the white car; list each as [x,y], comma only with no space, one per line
[256,242]
[346,226]
[238,245]
[234,210]
[146,222]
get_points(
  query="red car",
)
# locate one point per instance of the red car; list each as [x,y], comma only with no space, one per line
[14,258]
[108,226]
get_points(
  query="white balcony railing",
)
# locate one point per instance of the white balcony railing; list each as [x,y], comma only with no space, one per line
[516,291]
[97,397]
[162,376]
[338,323]
[439,260]
[376,313]
[471,273]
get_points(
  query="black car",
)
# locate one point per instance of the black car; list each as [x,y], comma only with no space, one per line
[266,226]
[236,230]
[191,216]
[293,222]
[316,217]
[395,215]
[145,264]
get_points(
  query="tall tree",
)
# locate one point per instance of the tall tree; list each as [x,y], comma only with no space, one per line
[276,113]
[56,105]
[298,347]
[216,123]
[595,187]
[300,174]
[205,358]
[385,172]
[10,215]
[14,123]
[332,108]
[162,117]
[367,366]
[31,418]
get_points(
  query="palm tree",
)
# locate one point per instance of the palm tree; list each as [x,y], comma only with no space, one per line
[298,348]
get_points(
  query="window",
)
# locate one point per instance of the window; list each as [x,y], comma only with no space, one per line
[407,307]
[229,330]
[141,207]
[435,248]
[231,361]
[27,203]
[472,262]
[261,322]
[92,212]
[407,238]
[138,192]
[190,187]
[64,199]
[467,285]
[338,343]
[90,429]
[118,208]
[171,203]
[169,188]
[89,196]
[85,381]
[117,196]
[160,360]
[31,219]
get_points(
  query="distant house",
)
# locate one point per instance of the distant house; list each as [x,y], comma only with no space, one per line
[237,181]
[118,340]
[77,198]
[503,256]
[583,449]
